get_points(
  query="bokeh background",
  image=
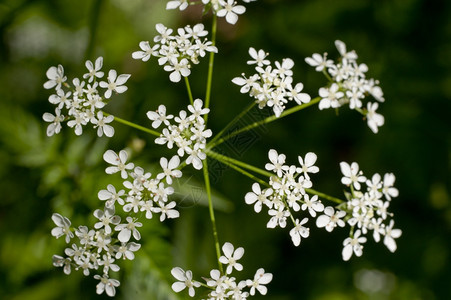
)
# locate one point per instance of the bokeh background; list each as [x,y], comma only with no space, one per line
[405,43]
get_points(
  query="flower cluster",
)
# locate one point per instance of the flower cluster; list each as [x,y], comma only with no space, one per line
[82,101]
[110,239]
[287,193]
[368,209]
[348,85]
[221,8]
[188,133]
[271,86]
[224,286]
[177,52]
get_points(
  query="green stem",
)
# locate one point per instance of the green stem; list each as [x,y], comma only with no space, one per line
[210,66]
[188,88]
[131,124]
[264,121]
[93,26]
[212,213]
[244,112]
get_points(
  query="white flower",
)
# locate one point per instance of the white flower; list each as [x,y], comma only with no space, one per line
[296,94]
[388,189]
[94,71]
[118,161]
[159,116]
[353,245]
[185,281]
[230,10]
[312,204]
[319,62]
[197,110]
[331,219]
[308,164]
[106,284]
[374,119]
[231,257]
[115,83]
[390,236]
[126,250]
[146,52]
[258,197]
[259,58]
[260,278]
[299,231]
[279,217]
[102,124]
[277,162]
[352,175]
[56,77]
[170,169]
[59,261]
[63,227]
[181,4]
[106,218]
[341,47]
[178,69]
[111,196]
[167,211]
[126,230]
[330,97]
[55,122]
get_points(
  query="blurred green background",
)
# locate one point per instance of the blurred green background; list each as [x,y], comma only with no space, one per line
[405,43]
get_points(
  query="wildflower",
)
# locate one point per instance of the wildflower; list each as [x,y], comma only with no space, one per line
[231,257]
[390,236]
[331,219]
[115,83]
[230,10]
[260,278]
[63,227]
[299,231]
[374,119]
[185,281]
[107,285]
[94,71]
[56,77]
[353,245]
[118,162]
[352,175]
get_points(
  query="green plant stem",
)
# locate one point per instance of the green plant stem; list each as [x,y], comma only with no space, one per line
[239,116]
[212,213]
[210,66]
[131,124]
[188,88]
[264,121]
[228,160]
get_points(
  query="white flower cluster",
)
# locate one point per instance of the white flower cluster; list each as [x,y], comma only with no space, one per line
[368,209]
[188,133]
[348,84]
[286,193]
[222,8]
[110,239]
[177,52]
[224,286]
[271,86]
[83,102]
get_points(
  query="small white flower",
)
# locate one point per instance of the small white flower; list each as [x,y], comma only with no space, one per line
[159,116]
[259,57]
[374,119]
[118,161]
[197,110]
[167,211]
[56,77]
[111,196]
[126,230]
[330,97]
[106,218]
[299,231]
[341,47]
[277,162]
[308,164]
[312,204]
[260,278]
[170,169]
[279,217]
[388,189]
[94,71]
[146,51]
[331,219]
[102,124]
[181,4]
[63,227]
[319,62]
[185,281]
[230,10]
[115,83]
[126,250]
[231,257]
[178,69]
[352,175]
[55,122]
[106,284]
[258,197]
[390,236]
[353,245]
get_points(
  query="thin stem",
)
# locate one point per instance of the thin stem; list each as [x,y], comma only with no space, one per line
[210,66]
[265,121]
[244,112]
[131,124]
[188,88]
[212,213]
[230,160]
[93,26]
